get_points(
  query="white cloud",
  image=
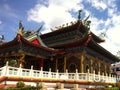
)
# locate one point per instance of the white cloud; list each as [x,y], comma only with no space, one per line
[111,26]
[110,46]
[57,13]
[98,4]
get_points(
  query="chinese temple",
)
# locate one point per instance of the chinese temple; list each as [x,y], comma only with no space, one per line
[67,47]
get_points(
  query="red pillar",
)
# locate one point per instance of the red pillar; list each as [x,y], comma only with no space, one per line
[41,62]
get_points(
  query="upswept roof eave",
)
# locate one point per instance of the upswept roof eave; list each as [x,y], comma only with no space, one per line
[104,51]
[96,38]
[12,42]
[19,41]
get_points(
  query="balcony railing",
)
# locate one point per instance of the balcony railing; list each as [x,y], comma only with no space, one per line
[13,71]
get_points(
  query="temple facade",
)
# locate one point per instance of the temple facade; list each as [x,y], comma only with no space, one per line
[81,49]
[67,47]
[70,48]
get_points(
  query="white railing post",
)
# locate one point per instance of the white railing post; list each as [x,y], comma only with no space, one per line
[31,71]
[67,73]
[88,73]
[49,75]
[99,75]
[106,77]
[114,78]
[103,77]
[94,74]
[19,70]
[76,74]
[109,77]
[41,72]
[57,75]
[5,69]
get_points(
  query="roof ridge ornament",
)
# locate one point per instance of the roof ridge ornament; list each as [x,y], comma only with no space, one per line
[39,30]
[79,14]
[20,29]
[86,19]
[102,35]
[2,38]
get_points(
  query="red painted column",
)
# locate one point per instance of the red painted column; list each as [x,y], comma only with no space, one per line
[41,63]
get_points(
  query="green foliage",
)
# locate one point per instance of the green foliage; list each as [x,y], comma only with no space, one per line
[112,88]
[23,88]
[20,84]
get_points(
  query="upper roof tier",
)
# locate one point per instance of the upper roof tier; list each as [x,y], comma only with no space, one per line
[80,26]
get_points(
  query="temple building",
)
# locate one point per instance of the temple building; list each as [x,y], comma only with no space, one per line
[69,56]
[81,49]
[68,47]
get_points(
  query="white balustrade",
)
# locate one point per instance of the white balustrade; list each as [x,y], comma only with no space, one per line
[71,75]
[25,72]
[53,75]
[82,76]
[13,71]
[36,73]
[63,76]
[2,71]
[91,77]
[45,74]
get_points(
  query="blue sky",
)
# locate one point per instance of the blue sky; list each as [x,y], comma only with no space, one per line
[104,14]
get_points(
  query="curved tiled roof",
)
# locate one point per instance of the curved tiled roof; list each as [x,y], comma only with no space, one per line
[78,25]
[20,43]
[89,42]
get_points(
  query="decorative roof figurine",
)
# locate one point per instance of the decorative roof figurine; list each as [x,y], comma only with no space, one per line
[79,16]
[20,29]
[102,35]
[38,30]
[1,39]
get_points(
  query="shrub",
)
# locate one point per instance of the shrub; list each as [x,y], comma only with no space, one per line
[20,84]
